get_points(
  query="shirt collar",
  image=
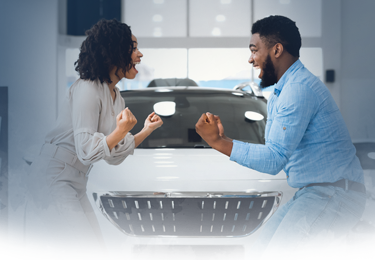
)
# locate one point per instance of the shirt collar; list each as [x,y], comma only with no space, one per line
[280,84]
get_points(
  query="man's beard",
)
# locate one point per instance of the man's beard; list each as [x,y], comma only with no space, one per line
[269,76]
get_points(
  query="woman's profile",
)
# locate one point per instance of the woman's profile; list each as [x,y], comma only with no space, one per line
[93,125]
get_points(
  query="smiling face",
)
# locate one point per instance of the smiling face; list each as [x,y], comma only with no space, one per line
[261,59]
[136,59]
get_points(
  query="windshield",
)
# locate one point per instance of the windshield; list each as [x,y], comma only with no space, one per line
[181,109]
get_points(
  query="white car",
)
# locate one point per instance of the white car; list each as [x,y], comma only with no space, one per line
[176,195]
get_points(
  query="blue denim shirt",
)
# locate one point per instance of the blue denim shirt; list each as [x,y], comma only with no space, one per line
[305,134]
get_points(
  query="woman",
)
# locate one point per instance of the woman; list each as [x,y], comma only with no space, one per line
[93,125]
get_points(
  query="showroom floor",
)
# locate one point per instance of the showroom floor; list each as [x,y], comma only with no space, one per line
[16,253]
[361,257]
[364,250]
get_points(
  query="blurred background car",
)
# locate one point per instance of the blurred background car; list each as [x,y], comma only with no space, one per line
[176,194]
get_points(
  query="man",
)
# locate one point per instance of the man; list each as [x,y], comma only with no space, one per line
[305,135]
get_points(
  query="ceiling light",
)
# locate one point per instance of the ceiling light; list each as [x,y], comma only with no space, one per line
[157,18]
[226,1]
[254,116]
[371,155]
[165,108]
[158,1]
[220,18]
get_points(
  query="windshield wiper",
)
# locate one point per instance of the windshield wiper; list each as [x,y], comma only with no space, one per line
[201,146]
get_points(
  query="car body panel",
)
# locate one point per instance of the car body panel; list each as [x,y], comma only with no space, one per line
[213,172]
[155,168]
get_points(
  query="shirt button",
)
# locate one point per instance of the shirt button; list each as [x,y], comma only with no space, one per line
[284,128]
[113,113]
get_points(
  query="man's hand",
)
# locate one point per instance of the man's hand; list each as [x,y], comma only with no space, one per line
[208,128]
[221,129]
[219,125]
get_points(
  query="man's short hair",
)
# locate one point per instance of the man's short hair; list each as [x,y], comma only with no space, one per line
[279,29]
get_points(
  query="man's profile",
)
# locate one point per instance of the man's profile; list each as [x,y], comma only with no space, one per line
[305,136]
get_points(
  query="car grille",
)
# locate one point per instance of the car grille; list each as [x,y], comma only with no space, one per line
[188,214]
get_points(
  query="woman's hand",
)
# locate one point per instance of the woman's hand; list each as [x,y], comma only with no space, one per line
[153,121]
[125,121]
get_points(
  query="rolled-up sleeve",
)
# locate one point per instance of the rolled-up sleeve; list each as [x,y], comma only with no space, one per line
[118,154]
[295,107]
[91,145]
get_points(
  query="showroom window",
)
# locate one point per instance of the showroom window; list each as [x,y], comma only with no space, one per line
[206,41]
[219,67]
[156,18]
[71,56]
[219,18]
[157,63]
[215,67]
[306,13]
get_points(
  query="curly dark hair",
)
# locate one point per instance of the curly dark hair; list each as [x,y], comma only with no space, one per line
[279,29]
[108,43]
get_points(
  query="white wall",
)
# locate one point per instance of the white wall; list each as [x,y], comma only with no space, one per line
[28,66]
[358,69]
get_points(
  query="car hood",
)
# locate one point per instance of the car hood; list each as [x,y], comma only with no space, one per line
[180,170]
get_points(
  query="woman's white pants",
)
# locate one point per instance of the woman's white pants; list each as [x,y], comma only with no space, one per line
[57,194]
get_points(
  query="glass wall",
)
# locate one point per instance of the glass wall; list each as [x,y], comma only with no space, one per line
[306,13]
[158,63]
[71,56]
[214,67]
[156,18]
[206,41]
[219,18]
[219,67]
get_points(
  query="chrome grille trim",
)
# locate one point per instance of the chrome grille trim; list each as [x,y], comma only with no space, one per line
[220,214]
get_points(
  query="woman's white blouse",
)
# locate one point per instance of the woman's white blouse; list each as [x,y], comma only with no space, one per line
[88,115]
